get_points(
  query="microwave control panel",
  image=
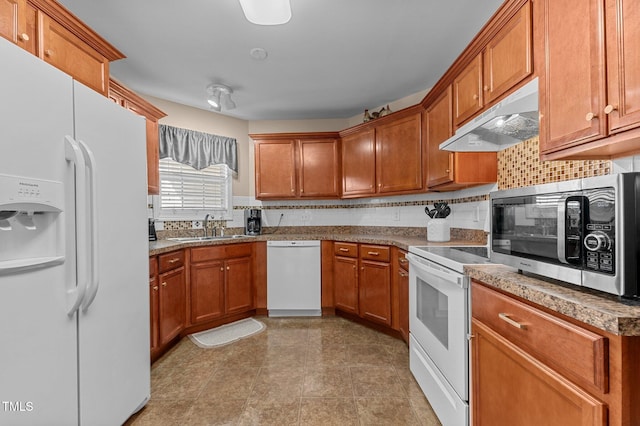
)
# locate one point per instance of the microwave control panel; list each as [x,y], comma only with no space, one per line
[600,231]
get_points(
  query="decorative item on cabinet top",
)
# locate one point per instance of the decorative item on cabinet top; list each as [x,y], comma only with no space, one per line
[376,114]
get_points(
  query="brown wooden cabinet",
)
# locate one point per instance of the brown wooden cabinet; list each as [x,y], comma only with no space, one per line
[400,293]
[362,281]
[383,157]
[399,155]
[590,91]
[505,61]
[48,30]
[220,282]
[154,289]
[345,277]
[359,164]
[297,165]
[532,366]
[172,296]
[128,99]
[374,284]
[446,170]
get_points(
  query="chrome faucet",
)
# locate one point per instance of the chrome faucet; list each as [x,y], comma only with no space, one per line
[205,224]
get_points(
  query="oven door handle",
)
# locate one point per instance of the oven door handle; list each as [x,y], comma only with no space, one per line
[561,232]
[420,264]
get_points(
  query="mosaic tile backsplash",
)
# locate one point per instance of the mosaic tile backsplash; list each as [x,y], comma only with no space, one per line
[520,166]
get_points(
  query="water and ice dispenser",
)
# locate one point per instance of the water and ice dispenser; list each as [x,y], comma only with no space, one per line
[31,223]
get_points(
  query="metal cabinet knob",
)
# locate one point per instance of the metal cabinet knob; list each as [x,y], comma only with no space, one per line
[609,109]
[590,116]
[24,37]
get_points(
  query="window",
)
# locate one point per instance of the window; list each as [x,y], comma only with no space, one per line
[187,193]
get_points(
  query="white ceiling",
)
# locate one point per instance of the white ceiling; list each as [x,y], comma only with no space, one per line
[332,60]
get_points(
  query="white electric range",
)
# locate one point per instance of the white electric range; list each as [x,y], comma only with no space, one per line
[439,324]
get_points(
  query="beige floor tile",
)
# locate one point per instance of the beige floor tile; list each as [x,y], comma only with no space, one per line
[328,412]
[182,382]
[230,383]
[325,382]
[214,412]
[367,355]
[361,335]
[385,411]
[278,383]
[376,382]
[327,356]
[271,412]
[286,356]
[161,413]
[287,336]
[423,410]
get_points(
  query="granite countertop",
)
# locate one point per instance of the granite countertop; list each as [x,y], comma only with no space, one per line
[607,312]
[401,241]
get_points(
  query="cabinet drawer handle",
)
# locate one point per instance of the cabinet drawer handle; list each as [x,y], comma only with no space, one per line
[344,249]
[403,261]
[155,288]
[609,109]
[177,259]
[48,52]
[24,37]
[373,253]
[403,274]
[505,317]
[164,284]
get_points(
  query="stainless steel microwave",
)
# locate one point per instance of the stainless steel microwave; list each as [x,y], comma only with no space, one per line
[585,232]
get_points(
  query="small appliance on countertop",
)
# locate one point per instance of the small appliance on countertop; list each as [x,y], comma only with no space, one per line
[152,230]
[253,222]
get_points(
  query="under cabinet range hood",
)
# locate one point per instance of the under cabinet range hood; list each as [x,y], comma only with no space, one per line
[510,121]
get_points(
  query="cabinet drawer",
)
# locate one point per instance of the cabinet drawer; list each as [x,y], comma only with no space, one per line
[570,349]
[203,254]
[402,261]
[381,253]
[153,266]
[169,261]
[345,249]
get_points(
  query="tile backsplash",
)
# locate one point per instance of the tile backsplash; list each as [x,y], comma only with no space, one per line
[520,166]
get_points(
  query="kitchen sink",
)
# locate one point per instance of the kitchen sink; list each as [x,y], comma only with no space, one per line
[209,238]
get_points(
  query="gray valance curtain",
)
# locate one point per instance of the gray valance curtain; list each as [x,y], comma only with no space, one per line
[197,149]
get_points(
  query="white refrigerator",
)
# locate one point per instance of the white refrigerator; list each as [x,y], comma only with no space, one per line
[74,292]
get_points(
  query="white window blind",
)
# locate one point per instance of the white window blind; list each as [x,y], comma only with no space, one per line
[190,194]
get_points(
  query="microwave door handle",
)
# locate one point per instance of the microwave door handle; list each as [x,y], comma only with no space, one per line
[562,234]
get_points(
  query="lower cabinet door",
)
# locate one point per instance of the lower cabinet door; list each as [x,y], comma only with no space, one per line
[207,286]
[510,387]
[345,278]
[239,295]
[375,291]
[172,302]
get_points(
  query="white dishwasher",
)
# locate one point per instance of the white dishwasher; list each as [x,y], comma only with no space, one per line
[293,278]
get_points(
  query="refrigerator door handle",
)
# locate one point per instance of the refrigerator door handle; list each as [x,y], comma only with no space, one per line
[75,294]
[93,283]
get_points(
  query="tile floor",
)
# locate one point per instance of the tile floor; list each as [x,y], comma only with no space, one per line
[299,371]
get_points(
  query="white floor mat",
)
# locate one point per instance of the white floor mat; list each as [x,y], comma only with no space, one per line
[227,333]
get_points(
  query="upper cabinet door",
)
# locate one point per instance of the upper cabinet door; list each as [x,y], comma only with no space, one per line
[399,155]
[319,174]
[359,164]
[467,92]
[62,49]
[437,127]
[507,59]
[623,65]
[275,169]
[573,90]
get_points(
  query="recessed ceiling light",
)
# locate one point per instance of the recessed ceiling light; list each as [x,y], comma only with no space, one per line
[258,53]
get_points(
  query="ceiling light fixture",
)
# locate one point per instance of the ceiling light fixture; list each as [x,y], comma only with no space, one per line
[219,96]
[266,12]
